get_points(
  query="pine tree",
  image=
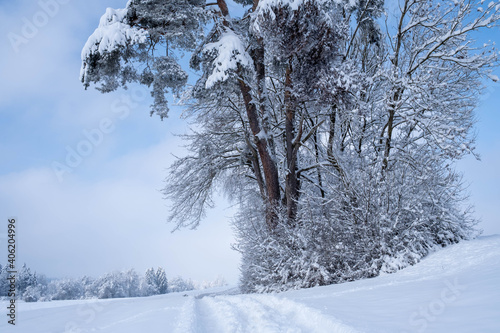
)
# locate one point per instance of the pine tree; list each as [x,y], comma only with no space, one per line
[161,281]
[150,279]
[4,283]
[25,279]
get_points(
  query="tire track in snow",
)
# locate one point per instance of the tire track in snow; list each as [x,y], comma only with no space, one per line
[198,315]
[255,313]
[292,316]
[223,316]
[187,317]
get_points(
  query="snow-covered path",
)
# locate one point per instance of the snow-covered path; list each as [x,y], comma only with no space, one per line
[453,290]
[254,313]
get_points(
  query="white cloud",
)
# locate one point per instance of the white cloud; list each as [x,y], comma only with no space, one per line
[108,212]
[89,227]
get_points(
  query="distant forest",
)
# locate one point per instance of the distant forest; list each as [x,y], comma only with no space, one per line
[33,287]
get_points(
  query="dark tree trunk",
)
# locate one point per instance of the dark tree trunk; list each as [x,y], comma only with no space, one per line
[269,168]
[390,126]
[292,181]
[268,164]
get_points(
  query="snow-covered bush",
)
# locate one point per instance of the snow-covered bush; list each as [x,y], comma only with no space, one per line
[218,282]
[118,285]
[357,236]
[35,293]
[178,284]
[65,289]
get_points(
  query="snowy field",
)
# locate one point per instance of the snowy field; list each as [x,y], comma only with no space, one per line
[454,290]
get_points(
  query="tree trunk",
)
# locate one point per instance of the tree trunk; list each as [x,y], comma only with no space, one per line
[390,126]
[268,164]
[269,168]
[292,182]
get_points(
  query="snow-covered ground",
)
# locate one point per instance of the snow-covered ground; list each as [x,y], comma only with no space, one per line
[456,289]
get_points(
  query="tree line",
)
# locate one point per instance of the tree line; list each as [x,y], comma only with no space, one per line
[33,287]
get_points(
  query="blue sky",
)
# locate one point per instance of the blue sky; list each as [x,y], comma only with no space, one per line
[105,212]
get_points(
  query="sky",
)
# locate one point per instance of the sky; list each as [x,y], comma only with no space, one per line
[82,171]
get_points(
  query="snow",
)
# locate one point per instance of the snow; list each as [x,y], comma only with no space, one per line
[231,52]
[493,77]
[111,34]
[452,290]
[262,135]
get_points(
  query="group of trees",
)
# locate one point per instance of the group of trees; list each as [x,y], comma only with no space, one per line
[334,124]
[33,287]
[25,280]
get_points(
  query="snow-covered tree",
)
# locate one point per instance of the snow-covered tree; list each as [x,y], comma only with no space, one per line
[113,285]
[178,284]
[132,283]
[4,283]
[161,281]
[25,279]
[156,282]
[218,282]
[65,289]
[136,35]
[336,138]
[89,287]
[150,280]
[34,293]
